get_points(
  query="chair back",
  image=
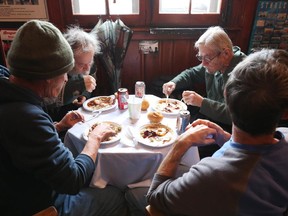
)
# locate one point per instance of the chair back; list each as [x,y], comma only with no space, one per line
[150,211]
[50,211]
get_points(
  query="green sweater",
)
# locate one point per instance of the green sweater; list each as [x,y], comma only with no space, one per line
[213,105]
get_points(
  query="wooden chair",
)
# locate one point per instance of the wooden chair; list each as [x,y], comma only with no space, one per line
[150,211]
[50,211]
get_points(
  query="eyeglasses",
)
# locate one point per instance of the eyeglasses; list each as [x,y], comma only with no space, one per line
[207,58]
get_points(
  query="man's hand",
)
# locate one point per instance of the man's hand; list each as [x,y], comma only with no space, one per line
[96,136]
[69,120]
[220,136]
[90,83]
[79,101]
[168,88]
[192,98]
[101,132]
[197,135]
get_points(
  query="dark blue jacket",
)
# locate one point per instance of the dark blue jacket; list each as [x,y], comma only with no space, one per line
[34,163]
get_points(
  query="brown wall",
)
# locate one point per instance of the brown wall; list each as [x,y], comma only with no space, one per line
[176,51]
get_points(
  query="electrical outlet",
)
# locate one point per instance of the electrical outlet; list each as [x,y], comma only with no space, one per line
[147,47]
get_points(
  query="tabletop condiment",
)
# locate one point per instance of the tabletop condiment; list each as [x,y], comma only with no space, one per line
[122,97]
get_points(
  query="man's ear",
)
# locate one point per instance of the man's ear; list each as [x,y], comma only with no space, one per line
[225,51]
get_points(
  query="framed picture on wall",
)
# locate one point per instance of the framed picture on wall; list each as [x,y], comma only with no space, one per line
[6,36]
[23,10]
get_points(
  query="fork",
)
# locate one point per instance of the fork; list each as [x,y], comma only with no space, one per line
[96,113]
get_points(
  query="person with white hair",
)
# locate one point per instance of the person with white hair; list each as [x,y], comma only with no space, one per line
[218,58]
[80,82]
[81,79]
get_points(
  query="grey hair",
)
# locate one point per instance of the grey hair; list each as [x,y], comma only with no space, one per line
[81,41]
[216,38]
[256,92]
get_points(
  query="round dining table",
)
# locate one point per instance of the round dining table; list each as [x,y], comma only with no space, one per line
[125,162]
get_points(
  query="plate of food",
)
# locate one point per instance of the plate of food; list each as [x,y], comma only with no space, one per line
[112,139]
[156,135]
[169,106]
[100,103]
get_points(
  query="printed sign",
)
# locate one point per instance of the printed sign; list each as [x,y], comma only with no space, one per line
[23,10]
[7,36]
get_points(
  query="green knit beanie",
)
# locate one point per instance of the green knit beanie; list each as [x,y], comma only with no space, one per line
[39,51]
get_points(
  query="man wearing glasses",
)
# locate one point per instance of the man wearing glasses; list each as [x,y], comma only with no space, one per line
[218,57]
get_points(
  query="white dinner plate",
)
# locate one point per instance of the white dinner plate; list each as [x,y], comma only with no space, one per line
[156,135]
[114,126]
[169,106]
[100,103]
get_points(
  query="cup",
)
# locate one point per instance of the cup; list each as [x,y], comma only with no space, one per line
[134,107]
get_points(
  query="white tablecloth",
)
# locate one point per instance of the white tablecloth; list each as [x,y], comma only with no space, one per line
[122,164]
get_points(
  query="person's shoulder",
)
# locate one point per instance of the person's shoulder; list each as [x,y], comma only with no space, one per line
[195,68]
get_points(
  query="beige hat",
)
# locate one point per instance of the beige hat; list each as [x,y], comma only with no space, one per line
[39,51]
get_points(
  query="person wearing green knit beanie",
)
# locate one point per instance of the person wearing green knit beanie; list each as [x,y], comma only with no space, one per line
[37,170]
[39,51]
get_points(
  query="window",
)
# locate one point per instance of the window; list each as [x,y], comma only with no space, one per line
[182,6]
[188,13]
[87,12]
[148,13]
[114,7]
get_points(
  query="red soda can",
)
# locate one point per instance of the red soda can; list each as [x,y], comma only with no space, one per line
[122,98]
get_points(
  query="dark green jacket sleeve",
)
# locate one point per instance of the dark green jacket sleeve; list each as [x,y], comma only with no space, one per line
[74,87]
[188,78]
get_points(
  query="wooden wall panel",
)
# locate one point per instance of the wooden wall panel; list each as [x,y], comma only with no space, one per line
[131,71]
[184,55]
[166,53]
[152,67]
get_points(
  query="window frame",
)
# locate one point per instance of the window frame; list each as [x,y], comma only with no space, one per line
[189,20]
[90,20]
[149,17]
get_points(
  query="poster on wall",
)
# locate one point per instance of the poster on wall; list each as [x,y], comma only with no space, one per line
[22,10]
[6,36]
[270,29]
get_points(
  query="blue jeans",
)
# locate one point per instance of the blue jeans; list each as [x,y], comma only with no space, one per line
[108,201]
[136,197]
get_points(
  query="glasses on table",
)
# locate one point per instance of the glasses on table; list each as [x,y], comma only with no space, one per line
[207,59]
